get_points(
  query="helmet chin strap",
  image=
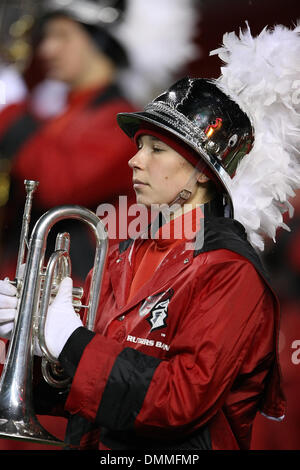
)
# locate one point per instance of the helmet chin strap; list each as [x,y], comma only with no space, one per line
[180,199]
[184,195]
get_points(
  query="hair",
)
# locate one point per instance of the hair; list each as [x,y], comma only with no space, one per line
[107,44]
[104,41]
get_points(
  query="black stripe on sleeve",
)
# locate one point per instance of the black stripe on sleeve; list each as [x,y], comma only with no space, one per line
[126,389]
[73,349]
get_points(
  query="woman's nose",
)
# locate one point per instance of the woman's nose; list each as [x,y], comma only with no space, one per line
[48,48]
[137,160]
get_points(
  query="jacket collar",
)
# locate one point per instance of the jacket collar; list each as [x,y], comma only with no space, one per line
[121,273]
[179,259]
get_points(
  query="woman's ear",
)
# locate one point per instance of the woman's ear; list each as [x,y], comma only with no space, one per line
[202,178]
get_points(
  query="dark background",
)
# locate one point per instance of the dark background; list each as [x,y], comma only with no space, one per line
[220,16]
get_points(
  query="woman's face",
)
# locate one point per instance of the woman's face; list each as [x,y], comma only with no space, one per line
[159,172]
[65,49]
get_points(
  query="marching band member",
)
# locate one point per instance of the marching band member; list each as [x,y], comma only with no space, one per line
[184,350]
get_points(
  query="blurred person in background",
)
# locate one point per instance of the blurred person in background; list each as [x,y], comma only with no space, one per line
[77,155]
[64,133]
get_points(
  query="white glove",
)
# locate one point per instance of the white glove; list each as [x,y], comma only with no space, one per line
[8,305]
[8,311]
[8,308]
[62,319]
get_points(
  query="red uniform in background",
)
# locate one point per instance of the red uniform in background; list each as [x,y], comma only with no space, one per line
[79,157]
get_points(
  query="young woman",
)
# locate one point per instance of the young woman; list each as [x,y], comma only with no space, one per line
[184,350]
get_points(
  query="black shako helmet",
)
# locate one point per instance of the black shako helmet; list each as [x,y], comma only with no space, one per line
[98,17]
[197,112]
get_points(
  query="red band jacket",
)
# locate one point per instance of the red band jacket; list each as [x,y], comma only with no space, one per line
[189,361]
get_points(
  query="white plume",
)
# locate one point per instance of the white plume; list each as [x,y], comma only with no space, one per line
[262,74]
[158,36]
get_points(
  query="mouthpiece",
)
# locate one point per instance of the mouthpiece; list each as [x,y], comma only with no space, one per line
[30,185]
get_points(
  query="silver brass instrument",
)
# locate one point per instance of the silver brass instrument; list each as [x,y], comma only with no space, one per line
[17,417]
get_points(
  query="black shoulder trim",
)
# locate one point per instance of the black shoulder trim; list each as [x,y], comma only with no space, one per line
[225,233]
[125,244]
[110,93]
[17,134]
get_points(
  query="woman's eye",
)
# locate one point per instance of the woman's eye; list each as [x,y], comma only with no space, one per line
[157,149]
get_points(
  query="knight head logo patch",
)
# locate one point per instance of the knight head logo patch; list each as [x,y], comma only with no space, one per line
[159,312]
